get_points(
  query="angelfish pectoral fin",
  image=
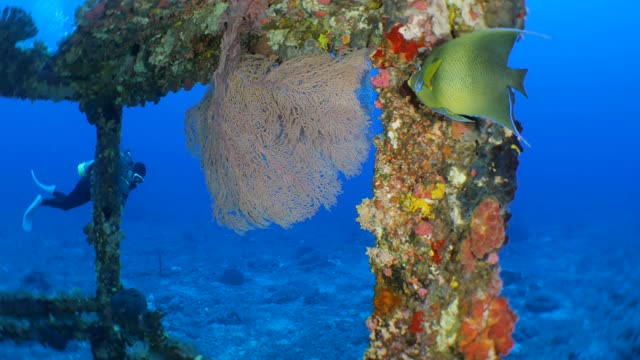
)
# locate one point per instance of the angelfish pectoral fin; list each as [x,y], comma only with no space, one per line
[430,72]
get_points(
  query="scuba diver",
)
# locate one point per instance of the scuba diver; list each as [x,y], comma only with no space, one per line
[131,175]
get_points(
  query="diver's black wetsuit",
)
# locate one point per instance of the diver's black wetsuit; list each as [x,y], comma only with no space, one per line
[80,195]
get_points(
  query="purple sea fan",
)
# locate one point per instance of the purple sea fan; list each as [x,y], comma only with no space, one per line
[272,145]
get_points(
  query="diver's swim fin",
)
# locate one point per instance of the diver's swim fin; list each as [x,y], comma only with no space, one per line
[27,218]
[46,188]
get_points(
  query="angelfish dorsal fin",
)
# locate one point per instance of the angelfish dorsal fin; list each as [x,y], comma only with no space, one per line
[430,72]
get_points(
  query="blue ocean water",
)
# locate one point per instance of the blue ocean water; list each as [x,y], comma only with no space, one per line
[570,269]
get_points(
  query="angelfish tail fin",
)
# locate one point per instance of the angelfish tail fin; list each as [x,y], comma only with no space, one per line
[513,119]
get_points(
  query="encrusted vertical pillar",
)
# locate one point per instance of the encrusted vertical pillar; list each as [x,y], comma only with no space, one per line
[439,211]
[104,231]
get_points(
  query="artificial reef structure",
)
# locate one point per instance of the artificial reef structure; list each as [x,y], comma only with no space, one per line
[441,188]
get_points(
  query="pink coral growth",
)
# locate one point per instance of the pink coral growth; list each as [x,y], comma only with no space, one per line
[423,228]
[487,228]
[382,79]
[487,330]
[422,292]
[493,258]
[419,4]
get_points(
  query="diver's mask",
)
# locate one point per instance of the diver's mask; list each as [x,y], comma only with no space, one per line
[137,178]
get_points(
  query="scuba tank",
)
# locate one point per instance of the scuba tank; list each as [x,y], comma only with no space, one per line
[84,168]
